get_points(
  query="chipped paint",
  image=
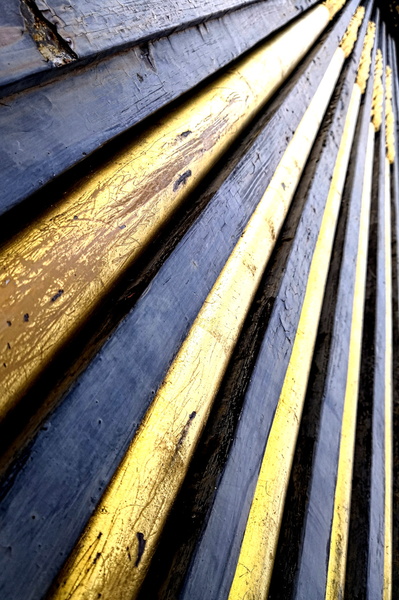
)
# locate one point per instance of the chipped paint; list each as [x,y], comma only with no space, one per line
[363,72]
[334,6]
[258,549]
[342,499]
[148,479]
[378,92]
[350,37]
[50,44]
[79,246]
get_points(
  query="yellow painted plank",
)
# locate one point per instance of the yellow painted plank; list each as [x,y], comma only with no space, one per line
[257,554]
[365,59]
[54,273]
[378,91]
[388,400]
[339,532]
[109,559]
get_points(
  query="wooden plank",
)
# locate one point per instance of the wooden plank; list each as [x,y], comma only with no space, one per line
[376,545]
[50,128]
[395,328]
[36,42]
[257,553]
[79,249]
[98,26]
[365,571]
[315,527]
[156,462]
[217,551]
[333,462]
[118,386]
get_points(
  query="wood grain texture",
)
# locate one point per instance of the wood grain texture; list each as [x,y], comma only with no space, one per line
[315,545]
[98,26]
[19,54]
[256,559]
[216,554]
[78,250]
[395,345]
[109,400]
[147,481]
[375,571]
[48,129]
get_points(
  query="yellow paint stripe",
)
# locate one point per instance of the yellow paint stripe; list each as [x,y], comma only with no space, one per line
[334,6]
[55,273]
[136,504]
[378,91]
[388,522]
[255,563]
[363,71]
[339,533]
[348,41]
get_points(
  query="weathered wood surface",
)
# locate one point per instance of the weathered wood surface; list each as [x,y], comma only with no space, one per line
[50,128]
[19,54]
[395,329]
[78,250]
[110,408]
[317,547]
[303,543]
[96,26]
[55,484]
[217,550]
[41,36]
[376,554]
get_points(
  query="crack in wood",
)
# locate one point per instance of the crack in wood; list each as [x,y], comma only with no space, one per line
[50,43]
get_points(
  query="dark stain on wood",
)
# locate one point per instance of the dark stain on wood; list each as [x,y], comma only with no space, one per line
[57,295]
[185,429]
[141,547]
[181,180]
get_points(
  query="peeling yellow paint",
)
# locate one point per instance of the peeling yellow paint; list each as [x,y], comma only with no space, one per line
[147,481]
[350,37]
[365,59]
[342,499]
[334,6]
[378,92]
[258,549]
[88,239]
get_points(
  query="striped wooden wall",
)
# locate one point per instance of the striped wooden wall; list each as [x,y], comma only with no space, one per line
[199,300]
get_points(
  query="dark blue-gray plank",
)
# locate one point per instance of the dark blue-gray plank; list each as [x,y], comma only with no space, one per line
[375,571]
[93,26]
[72,459]
[395,344]
[48,129]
